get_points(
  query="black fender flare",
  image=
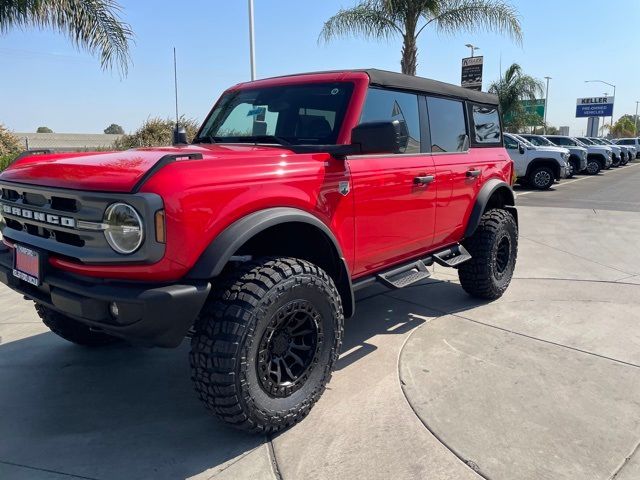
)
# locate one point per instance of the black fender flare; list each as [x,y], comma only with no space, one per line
[214,258]
[489,188]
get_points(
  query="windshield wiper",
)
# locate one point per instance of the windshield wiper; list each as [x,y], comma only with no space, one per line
[266,139]
[205,139]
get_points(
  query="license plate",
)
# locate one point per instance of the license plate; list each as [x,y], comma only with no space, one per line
[27,265]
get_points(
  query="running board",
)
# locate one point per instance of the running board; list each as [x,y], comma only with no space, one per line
[405,275]
[452,257]
[415,271]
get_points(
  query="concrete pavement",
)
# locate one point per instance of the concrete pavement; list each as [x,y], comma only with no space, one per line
[543,383]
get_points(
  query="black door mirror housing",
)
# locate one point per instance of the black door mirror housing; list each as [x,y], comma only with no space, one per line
[522,149]
[381,137]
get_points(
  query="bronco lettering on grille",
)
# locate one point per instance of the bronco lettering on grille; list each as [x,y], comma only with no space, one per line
[51,219]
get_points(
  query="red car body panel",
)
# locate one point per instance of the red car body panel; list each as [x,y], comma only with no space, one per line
[383,220]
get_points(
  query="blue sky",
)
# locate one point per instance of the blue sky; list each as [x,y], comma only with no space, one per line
[45,81]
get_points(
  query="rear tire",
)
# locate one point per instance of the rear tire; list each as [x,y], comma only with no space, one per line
[72,330]
[494,249]
[541,178]
[266,342]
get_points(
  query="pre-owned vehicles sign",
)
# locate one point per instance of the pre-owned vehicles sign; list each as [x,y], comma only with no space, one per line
[594,107]
[472,73]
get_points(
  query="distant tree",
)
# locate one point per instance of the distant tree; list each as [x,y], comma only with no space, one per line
[624,127]
[44,130]
[114,129]
[156,132]
[9,143]
[511,89]
[93,25]
[384,19]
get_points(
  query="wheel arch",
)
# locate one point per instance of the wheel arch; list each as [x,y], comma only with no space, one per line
[282,231]
[494,194]
[544,162]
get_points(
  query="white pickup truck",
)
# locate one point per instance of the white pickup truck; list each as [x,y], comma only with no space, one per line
[536,167]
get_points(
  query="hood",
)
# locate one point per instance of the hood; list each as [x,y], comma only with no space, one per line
[117,171]
[553,149]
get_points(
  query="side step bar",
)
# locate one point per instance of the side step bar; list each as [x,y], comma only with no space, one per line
[412,272]
[452,257]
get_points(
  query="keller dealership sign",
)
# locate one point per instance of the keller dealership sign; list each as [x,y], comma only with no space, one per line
[594,107]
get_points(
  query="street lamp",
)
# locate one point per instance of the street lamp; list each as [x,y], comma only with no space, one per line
[473,48]
[614,93]
[252,45]
[546,105]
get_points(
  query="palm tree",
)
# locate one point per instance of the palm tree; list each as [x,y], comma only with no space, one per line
[94,25]
[384,19]
[511,89]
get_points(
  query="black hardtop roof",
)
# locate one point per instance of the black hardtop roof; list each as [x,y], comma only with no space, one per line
[385,78]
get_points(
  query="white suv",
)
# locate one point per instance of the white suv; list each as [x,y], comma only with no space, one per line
[632,142]
[536,167]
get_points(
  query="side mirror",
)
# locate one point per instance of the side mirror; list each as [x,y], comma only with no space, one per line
[180,136]
[381,137]
[522,149]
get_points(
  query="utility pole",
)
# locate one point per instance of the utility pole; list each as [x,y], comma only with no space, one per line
[546,106]
[635,120]
[252,45]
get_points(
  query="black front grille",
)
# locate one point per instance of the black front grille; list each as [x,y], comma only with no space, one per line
[45,232]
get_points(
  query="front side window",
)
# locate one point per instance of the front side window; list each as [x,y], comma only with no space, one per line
[447,124]
[309,114]
[486,124]
[385,105]
[510,143]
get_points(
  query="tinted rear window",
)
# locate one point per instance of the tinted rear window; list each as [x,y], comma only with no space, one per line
[486,125]
[447,124]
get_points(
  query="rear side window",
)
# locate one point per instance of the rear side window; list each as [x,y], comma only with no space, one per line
[384,105]
[447,125]
[627,142]
[486,125]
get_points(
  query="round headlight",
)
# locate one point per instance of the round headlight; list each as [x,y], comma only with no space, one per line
[123,228]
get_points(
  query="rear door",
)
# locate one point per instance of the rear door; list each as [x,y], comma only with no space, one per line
[394,195]
[459,173]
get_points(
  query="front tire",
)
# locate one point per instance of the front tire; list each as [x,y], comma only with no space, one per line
[494,249]
[72,330]
[266,342]
[541,178]
[593,167]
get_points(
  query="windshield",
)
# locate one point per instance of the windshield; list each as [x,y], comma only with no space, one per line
[597,141]
[525,141]
[587,141]
[308,114]
[539,141]
[579,142]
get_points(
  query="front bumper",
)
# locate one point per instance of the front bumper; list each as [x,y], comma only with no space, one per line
[148,314]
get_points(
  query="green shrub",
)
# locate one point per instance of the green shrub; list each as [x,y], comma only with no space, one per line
[5,160]
[156,132]
[9,143]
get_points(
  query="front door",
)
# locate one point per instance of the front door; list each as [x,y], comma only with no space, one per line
[394,195]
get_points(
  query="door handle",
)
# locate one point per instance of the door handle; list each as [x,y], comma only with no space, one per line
[425,180]
[473,173]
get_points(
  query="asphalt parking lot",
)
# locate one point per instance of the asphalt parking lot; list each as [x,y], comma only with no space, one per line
[541,384]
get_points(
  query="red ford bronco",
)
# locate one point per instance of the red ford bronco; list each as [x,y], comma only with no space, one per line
[251,241]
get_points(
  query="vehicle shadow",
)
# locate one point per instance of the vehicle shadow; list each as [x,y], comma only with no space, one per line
[125,412]
[118,412]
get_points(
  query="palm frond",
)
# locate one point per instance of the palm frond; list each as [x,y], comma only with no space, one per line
[452,16]
[370,19]
[94,25]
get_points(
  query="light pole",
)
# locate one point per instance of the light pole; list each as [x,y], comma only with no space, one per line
[614,94]
[546,105]
[473,48]
[252,45]
[635,120]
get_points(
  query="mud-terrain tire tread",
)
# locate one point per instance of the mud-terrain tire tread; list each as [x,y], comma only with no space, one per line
[226,326]
[72,330]
[476,275]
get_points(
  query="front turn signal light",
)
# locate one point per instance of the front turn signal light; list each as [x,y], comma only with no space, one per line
[161,236]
